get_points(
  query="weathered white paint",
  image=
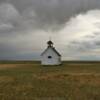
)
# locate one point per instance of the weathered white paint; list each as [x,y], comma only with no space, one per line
[55,60]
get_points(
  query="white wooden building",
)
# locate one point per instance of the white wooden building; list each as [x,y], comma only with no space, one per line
[50,56]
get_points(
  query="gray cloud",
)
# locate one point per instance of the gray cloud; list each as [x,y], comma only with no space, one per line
[56,11]
[53,12]
[21,20]
[48,13]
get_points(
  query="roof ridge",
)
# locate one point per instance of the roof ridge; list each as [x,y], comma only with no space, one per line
[53,48]
[56,51]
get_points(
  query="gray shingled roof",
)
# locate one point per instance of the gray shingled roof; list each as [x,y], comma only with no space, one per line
[53,50]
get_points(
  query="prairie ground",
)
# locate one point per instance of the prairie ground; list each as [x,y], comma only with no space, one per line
[31,81]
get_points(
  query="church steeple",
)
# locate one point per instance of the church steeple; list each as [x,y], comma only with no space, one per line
[50,43]
[50,56]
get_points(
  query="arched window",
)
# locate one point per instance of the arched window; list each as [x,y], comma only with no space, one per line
[50,57]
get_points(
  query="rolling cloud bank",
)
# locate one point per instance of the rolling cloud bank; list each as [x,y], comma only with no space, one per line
[26,25]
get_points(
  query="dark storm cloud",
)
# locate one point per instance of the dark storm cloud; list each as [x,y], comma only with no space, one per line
[19,17]
[52,12]
[49,13]
[55,11]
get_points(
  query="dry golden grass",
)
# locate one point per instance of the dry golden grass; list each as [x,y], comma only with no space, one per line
[35,82]
[5,66]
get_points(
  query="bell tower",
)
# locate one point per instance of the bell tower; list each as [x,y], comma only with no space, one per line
[50,43]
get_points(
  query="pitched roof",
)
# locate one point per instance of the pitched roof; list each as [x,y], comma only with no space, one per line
[56,51]
[53,50]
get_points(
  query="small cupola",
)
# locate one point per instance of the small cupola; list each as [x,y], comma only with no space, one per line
[50,43]
[50,56]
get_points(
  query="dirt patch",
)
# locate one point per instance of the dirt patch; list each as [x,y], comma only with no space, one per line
[5,66]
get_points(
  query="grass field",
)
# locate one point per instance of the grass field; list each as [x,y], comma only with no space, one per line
[31,81]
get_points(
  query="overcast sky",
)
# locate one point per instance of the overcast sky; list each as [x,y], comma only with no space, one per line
[26,25]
